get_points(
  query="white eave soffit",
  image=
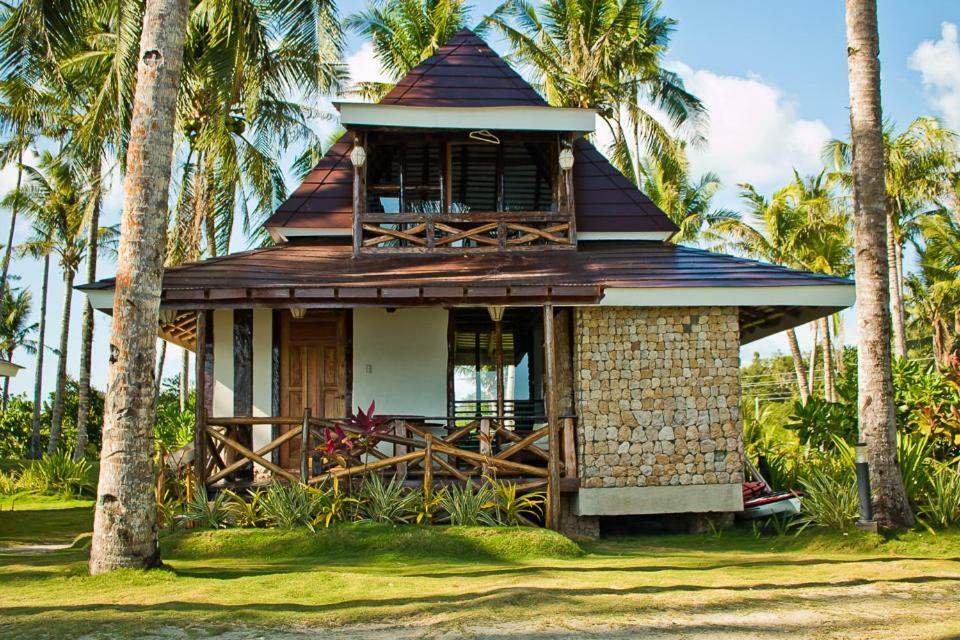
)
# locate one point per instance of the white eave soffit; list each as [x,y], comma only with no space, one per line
[516,118]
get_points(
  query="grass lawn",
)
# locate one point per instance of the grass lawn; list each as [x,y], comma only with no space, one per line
[382,582]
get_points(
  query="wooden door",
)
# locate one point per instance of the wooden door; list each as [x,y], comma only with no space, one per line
[312,371]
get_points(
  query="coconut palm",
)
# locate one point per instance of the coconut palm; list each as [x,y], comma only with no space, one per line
[877,417]
[15,330]
[404,32]
[667,182]
[918,163]
[59,195]
[607,56]
[935,289]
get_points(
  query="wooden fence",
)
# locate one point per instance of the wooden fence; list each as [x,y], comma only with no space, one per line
[420,452]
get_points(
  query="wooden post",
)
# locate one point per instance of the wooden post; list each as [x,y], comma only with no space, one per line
[200,420]
[428,465]
[359,197]
[399,448]
[549,377]
[486,448]
[569,448]
[304,445]
[498,337]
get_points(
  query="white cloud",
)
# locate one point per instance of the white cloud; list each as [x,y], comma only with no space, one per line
[363,66]
[755,134]
[939,65]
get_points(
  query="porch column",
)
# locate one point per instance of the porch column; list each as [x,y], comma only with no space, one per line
[550,400]
[200,422]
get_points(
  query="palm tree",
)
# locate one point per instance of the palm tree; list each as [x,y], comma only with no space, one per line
[39,250]
[124,531]
[59,195]
[918,164]
[769,230]
[403,33]
[877,417]
[936,288]
[607,56]
[15,330]
[666,181]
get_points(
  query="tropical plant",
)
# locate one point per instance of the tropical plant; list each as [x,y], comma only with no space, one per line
[385,502]
[426,506]
[830,496]
[59,473]
[207,513]
[469,505]
[940,507]
[513,508]
[403,33]
[291,506]
[606,56]
[16,330]
[246,511]
[169,508]
[334,507]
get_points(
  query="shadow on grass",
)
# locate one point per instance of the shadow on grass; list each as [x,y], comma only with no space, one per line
[44,526]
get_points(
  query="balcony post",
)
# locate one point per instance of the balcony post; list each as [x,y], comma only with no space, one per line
[359,197]
[200,422]
[550,399]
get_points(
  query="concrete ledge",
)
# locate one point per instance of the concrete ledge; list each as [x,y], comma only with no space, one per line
[623,501]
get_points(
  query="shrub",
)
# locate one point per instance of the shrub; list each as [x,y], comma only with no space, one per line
[334,506]
[384,502]
[16,427]
[940,506]
[58,474]
[246,511]
[174,428]
[469,506]
[426,506]
[291,506]
[8,483]
[830,492]
[211,514]
[515,509]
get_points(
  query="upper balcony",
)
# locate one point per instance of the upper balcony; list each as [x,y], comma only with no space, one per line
[426,180]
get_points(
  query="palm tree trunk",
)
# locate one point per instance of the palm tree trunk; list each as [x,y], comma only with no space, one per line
[813,357]
[124,526]
[896,293]
[14,210]
[841,343]
[86,336]
[38,375]
[6,385]
[876,405]
[184,379]
[798,365]
[829,394]
[56,415]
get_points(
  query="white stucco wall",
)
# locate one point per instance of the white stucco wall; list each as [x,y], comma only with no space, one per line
[223,363]
[262,373]
[400,360]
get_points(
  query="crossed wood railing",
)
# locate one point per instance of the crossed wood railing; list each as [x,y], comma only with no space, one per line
[439,232]
[410,450]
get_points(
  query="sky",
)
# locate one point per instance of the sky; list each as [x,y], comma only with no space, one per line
[773,76]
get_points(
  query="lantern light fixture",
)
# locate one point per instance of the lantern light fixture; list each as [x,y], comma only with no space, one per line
[358,156]
[298,312]
[566,158]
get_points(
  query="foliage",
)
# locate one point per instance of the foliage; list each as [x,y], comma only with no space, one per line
[830,496]
[940,506]
[819,423]
[16,427]
[353,436]
[174,428]
[929,400]
[247,510]
[291,505]
[513,508]
[470,506]
[211,514]
[425,506]
[57,475]
[384,502]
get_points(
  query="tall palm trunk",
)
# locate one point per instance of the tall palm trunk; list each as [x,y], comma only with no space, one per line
[184,379]
[829,392]
[124,526]
[38,375]
[161,361]
[14,210]
[814,328]
[876,406]
[6,384]
[86,338]
[841,343]
[798,365]
[56,414]
[896,292]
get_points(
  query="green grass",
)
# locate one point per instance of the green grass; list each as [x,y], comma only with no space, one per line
[405,582]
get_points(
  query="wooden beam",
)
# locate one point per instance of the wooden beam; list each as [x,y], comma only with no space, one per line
[273,444]
[363,468]
[304,445]
[549,376]
[247,453]
[524,444]
[569,448]
[199,427]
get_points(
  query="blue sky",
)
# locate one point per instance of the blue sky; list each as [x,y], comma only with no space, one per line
[772,74]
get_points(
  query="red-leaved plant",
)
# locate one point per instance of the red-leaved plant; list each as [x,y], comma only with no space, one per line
[353,436]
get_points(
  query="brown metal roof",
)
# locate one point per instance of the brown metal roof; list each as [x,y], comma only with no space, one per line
[463,72]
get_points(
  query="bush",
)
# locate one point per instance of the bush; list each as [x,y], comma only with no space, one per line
[468,506]
[940,506]
[16,428]
[385,502]
[206,513]
[830,496]
[291,506]
[174,428]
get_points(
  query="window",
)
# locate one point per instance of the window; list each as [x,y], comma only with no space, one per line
[404,178]
[511,176]
[475,363]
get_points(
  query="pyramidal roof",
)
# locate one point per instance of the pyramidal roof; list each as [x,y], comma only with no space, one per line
[466,72]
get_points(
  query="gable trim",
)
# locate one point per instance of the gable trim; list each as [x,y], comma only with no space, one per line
[511,118]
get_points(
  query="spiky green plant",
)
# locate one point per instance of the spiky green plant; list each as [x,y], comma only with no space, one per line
[384,501]
[291,506]
[246,511]
[207,513]
[510,507]
[469,506]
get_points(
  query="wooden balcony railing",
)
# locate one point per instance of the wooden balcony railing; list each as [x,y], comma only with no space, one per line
[418,451]
[458,232]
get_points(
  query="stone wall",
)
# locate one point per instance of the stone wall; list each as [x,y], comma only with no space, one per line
[658,396]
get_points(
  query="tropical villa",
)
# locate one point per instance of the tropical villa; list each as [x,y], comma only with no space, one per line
[465,258]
